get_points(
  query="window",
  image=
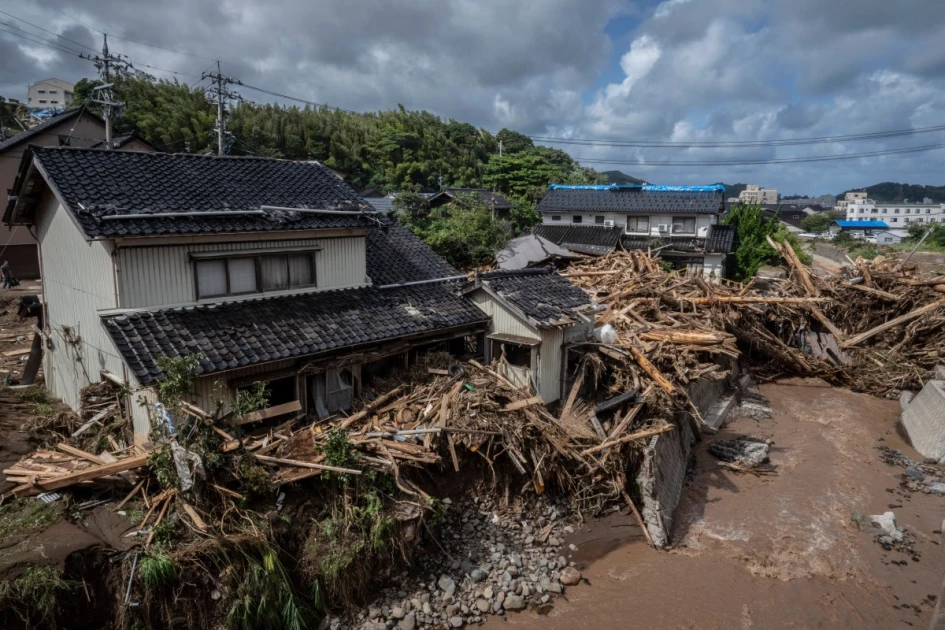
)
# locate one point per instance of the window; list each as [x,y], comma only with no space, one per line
[884,210]
[53,92]
[907,220]
[242,275]
[897,210]
[796,216]
[894,220]
[908,210]
[42,101]
[918,220]
[54,102]
[599,219]
[928,211]
[638,224]
[684,225]
[874,211]
[577,218]
[65,141]
[556,217]
[887,239]
[42,92]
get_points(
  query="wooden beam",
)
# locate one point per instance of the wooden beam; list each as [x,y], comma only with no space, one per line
[639,435]
[271,412]
[78,452]
[521,404]
[732,299]
[300,464]
[83,475]
[902,319]
[374,404]
[886,295]
[16,353]
[192,513]
[651,370]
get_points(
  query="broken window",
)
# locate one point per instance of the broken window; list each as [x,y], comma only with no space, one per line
[332,391]
[684,225]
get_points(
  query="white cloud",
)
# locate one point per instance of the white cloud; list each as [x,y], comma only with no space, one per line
[665,9]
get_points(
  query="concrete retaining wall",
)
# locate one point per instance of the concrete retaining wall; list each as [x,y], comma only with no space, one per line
[831,252]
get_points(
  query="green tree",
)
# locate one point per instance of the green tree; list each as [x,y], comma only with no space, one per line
[413,210]
[820,221]
[753,250]
[513,141]
[465,233]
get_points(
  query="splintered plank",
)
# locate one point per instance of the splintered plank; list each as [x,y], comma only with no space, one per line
[88,474]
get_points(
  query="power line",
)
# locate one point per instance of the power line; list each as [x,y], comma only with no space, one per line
[299,100]
[220,91]
[47,31]
[821,158]
[35,39]
[126,39]
[746,143]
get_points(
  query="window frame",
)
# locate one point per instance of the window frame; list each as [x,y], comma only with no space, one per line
[256,255]
[599,219]
[636,229]
[681,219]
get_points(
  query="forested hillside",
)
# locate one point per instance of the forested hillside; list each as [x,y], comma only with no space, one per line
[891,192]
[390,150]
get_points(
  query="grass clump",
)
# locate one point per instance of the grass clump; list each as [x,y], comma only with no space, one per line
[23,516]
[38,395]
[339,453]
[158,570]
[33,596]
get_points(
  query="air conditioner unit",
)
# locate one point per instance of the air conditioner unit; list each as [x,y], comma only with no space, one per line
[608,223]
[664,227]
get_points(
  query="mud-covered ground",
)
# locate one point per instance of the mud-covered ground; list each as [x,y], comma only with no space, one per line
[774,551]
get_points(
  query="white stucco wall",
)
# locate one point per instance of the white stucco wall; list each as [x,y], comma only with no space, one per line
[78,281]
[703,221]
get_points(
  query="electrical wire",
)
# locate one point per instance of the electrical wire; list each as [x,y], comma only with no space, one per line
[126,39]
[734,162]
[46,30]
[299,100]
[746,143]
[36,39]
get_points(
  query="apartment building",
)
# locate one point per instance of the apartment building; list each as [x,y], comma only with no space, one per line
[49,94]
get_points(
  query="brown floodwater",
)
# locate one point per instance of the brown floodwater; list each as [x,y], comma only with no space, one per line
[774,551]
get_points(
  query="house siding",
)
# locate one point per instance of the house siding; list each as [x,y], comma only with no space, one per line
[78,281]
[164,275]
[548,374]
[703,221]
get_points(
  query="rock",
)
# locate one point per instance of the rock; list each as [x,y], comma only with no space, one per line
[456,622]
[526,591]
[375,625]
[570,576]
[482,605]
[447,584]
[407,623]
[937,488]
[488,592]
[514,602]
[572,547]
[478,575]
[374,613]
[915,473]
[427,610]
[529,540]
[879,525]
[397,612]
[746,452]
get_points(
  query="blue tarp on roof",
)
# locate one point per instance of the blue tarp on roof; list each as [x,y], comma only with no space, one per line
[862,224]
[655,187]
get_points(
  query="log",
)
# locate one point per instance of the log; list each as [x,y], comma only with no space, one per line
[521,404]
[651,370]
[630,415]
[128,496]
[16,353]
[78,452]
[735,299]
[192,513]
[374,404]
[271,412]
[919,312]
[940,288]
[829,325]
[688,337]
[83,475]
[886,295]
[801,271]
[300,464]
[639,435]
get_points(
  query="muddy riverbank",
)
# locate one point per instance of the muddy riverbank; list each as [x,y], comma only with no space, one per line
[776,551]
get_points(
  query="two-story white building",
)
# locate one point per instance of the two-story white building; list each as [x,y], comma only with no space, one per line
[681,221]
[269,270]
[859,207]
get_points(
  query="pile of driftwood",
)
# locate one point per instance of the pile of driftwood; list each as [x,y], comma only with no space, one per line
[877,328]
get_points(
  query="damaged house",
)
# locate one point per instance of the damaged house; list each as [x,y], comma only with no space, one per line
[681,223]
[535,314]
[268,270]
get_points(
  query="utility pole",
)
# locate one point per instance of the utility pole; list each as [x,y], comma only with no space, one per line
[105,63]
[220,91]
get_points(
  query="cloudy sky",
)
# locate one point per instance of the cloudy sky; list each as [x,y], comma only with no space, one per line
[674,71]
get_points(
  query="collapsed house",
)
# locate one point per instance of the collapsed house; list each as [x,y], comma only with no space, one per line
[680,222]
[268,270]
[534,314]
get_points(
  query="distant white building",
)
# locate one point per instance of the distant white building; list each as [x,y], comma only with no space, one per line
[890,237]
[49,94]
[755,194]
[859,207]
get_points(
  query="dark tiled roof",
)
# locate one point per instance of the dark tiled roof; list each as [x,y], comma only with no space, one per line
[544,297]
[501,203]
[632,200]
[395,255]
[44,126]
[721,239]
[95,184]
[586,239]
[668,244]
[381,204]
[240,334]
[123,140]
